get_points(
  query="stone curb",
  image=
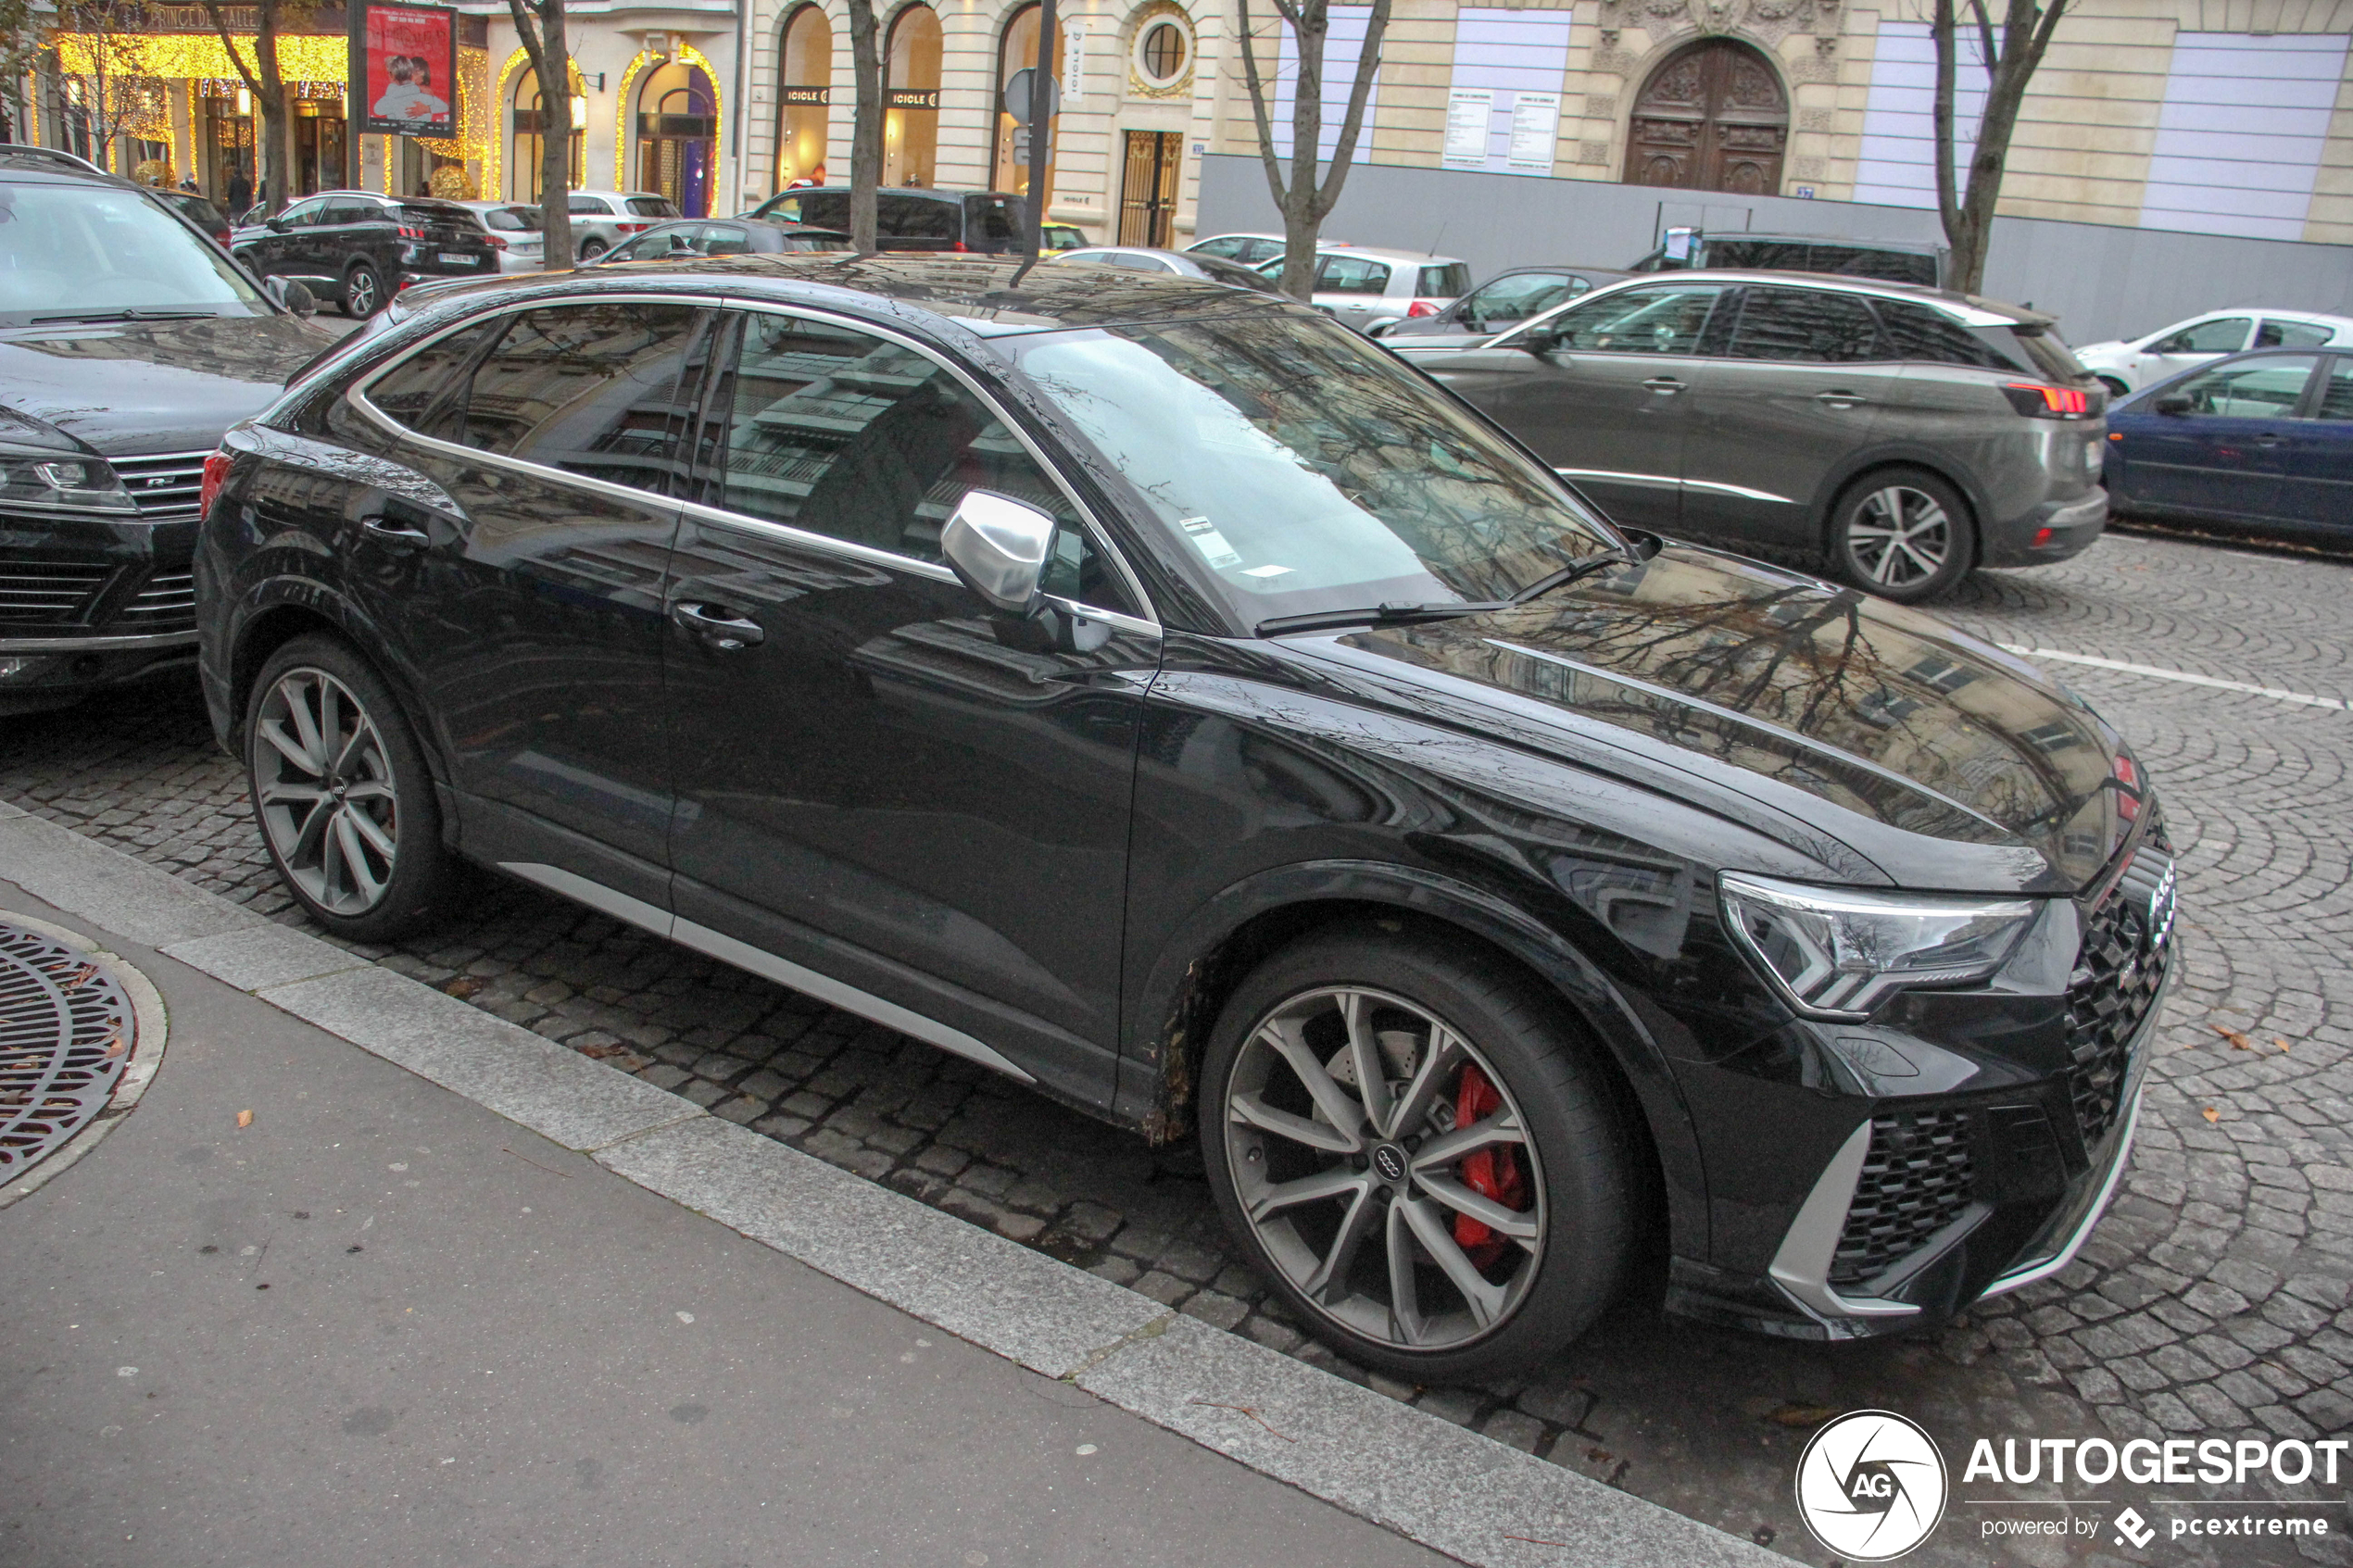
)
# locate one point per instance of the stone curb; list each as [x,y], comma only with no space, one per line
[1453,1490]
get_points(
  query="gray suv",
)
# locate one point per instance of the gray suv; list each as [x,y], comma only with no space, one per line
[1900,434]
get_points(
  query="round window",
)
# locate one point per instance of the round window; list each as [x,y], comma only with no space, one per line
[1162,52]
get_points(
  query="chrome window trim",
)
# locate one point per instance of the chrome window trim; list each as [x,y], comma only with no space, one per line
[356,395]
[1969,316]
[99,645]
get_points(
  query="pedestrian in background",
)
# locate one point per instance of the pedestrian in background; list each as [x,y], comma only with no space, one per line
[240,193]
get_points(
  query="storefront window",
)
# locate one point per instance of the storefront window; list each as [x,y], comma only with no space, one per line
[677,133]
[803,96]
[911,98]
[1017,49]
[531,115]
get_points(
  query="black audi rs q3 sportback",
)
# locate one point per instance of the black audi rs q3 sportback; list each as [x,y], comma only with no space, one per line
[1168,698]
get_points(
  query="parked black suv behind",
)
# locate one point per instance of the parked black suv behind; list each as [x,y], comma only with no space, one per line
[988,222]
[359,248]
[127,344]
[1890,261]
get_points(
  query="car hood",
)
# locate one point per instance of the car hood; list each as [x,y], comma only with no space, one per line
[1936,757]
[128,387]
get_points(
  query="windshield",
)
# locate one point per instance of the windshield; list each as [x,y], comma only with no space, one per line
[1307,467]
[87,252]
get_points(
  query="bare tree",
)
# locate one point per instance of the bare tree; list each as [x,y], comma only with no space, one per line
[551,66]
[23,34]
[866,126]
[2009,54]
[1305,203]
[267,86]
[116,91]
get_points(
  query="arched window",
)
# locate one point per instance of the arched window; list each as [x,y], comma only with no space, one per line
[804,95]
[677,131]
[1017,49]
[531,117]
[911,98]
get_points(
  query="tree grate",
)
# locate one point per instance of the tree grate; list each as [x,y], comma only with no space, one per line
[66,1033]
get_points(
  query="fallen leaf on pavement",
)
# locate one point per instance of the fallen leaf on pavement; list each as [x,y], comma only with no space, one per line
[1801,1415]
[2238,1041]
[245,1118]
[117,1048]
[2212,1115]
[462,986]
[2277,1041]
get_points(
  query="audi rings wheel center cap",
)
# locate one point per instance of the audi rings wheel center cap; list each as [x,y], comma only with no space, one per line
[1389,1161]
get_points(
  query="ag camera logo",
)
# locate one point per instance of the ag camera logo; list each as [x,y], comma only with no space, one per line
[1872,1485]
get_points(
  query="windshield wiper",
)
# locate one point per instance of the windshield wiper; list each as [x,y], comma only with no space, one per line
[1640,547]
[121,316]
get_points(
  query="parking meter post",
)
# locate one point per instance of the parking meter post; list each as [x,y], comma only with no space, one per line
[1041,87]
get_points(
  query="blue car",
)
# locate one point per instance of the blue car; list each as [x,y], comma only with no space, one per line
[2260,441]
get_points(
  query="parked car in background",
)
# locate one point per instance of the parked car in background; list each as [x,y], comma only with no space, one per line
[1894,261]
[513,230]
[724,237]
[601,220]
[1054,239]
[1504,300]
[2261,442]
[359,247]
[1902,435]
[1248,249]
[1366,288]
[985,222]
[127,345]
[1142,259]
[196,209]
[2127,365]
[1490,893]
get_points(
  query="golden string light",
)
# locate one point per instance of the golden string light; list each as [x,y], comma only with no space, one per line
[195,56]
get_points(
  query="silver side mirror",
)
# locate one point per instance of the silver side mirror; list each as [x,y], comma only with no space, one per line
[997,546]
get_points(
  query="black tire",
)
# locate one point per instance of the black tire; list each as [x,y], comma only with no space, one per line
[383,780]
[1903,533]
[364,291]
[592,247]
[1578,1188]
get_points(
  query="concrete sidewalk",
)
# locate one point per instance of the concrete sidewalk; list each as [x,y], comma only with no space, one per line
[382,1324]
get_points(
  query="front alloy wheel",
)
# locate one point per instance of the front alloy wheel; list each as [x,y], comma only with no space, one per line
[1384,1169]
[323,785]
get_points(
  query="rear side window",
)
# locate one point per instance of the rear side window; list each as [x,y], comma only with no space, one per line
[2227,335]
[915,218]
[1889,266]
[830,211]
[418,391]
[1931,337]
[651,206]
[1807,325]
[585,389]
[995,220]
[1449,280]
[2276,333]
[588,207]
[1762,255]
[724,239]
[511,219]
[2336,393]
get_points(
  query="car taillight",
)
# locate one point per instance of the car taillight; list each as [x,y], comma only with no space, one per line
[1424,307]
[496,242]
[2043,401]
[959,245]
[216,474]
[411,232]
[631,228]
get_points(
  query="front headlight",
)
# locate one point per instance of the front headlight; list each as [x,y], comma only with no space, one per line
[63,485]
[1837,952]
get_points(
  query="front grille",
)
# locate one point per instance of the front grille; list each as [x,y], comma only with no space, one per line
[35,592]
[164,488]
[1917,1179]
[167,604]
[2127,944]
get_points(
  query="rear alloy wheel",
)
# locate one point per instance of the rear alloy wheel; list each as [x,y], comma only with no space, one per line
[1904,534]
[341,793]
[592,248]
[1421,1164]
[363,292]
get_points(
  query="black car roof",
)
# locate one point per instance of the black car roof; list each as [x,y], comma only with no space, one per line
[983,293]
[49,163]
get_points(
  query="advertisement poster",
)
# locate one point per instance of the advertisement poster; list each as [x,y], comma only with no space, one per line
[407,71]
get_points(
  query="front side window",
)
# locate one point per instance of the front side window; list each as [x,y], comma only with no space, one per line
[1351,274]
[1666,319]
[2276,333]
[1808,326]
[861,439]
[1228,246]
[724,239]
[1306,468]
[588,207]
[915,218]
[86,253]
[1515,298]
[584,389]
[2260,389]
[2225,335]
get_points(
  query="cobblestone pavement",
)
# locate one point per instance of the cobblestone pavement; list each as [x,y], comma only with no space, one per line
[2214,1300]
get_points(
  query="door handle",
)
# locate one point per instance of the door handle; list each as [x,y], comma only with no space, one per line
[1666,386]
[716,628]
[2268,439]
[1837,399]
[397,534]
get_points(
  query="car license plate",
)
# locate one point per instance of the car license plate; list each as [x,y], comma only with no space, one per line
[457,259]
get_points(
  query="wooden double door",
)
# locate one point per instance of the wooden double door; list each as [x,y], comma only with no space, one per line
[1713,117]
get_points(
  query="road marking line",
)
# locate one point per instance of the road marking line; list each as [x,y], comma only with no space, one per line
[2338,704]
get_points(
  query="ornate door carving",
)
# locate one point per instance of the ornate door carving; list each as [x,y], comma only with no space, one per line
[1713,117]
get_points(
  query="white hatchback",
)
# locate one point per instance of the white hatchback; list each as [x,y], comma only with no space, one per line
[1367,288]
[2128,365]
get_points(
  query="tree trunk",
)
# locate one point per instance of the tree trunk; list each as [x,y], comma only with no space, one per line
[551,68]
[866,127]
[2010,58]
[1303,203]
[270,102]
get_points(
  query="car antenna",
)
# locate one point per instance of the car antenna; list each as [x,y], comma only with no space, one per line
[1433,244]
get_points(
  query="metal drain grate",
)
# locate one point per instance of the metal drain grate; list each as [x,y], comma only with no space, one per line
[65,1032]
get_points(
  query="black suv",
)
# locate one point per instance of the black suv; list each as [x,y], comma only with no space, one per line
[1890,261]
[358,248]
[128,342]
[1164,696]
[987,222]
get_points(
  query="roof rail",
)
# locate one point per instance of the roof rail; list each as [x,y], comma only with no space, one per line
[51,155]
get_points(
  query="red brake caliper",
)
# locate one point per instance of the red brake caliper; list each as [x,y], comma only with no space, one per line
[1491,1173]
